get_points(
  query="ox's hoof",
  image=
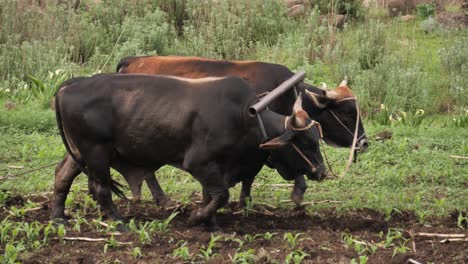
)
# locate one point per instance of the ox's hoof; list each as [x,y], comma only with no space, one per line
[196,217]
[297,198]
[212,228]
[168,204]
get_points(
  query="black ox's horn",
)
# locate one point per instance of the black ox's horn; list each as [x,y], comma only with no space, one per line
[282,88]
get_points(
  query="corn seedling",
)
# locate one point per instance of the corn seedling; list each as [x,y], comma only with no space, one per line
[182,251]
[244,257]
[362,260]
[110,243]
[296,257]
[239,241]
[206,252]
[141,231]
[250,238]
[5,227]
[11,253]
[136,253]
[49,229]
[292,240]
[162,226]
[462,221]
[248,206]
[61,232]
[32,232]
[268,235]
[17,212]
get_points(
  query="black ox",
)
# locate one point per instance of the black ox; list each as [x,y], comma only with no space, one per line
[201,126]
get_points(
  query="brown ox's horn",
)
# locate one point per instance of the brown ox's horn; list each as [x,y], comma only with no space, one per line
[313,97]
[298,104]
[299,113]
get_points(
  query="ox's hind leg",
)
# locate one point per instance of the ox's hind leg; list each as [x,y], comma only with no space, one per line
[97,159]
[159,195]
[65,172]
[135,176]
[215,192]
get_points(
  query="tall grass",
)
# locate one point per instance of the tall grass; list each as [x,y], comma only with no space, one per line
[388,62]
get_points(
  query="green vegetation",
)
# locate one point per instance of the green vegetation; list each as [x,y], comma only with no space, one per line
[410,77]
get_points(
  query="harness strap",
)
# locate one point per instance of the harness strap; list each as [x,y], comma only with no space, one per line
[262,127]
[343,125]
[312,167]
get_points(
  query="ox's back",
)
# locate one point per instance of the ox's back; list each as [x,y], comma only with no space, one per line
[261,76]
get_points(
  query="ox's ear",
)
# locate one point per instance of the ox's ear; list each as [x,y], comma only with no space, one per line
[321,101]
[279,141]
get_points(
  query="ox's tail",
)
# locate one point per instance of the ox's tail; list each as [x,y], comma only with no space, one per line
[116,187]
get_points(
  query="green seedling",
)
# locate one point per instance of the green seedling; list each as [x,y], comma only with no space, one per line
[32,232]
[244,257]
[78,222]
[110,243]
[206,252]
[249,204]
[49,229]
[296,257]
[61,232]
[462,221]
[162,226]
[292,240]
[362,260]
[268,235]
[182,251]
[142,231]
[11,253]
[5,227]
[239,241]
[17,212]
[136,253]
[250,238]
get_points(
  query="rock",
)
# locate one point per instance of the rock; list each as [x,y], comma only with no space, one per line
[337,21]
[453,19]
[9,105]
[296,11]
[290,3]
[407,18]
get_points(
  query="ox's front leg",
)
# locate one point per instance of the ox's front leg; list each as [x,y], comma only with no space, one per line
[65,172]
[246,191]
[300,186]
[215,195]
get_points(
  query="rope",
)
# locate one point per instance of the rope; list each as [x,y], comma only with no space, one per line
[28,171]
[351,152]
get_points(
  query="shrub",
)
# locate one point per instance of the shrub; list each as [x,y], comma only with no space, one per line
[426,10]
[351,8]
[454,60]
[430,25]
[371,43]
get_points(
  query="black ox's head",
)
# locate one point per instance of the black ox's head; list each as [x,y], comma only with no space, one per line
[337,110]
[296,151]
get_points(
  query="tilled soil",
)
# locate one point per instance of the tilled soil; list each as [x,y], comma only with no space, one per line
[325,236]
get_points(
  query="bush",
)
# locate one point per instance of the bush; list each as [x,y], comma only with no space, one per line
[371,47]
[454,59]
[430,25]
[351,8]
[426,10]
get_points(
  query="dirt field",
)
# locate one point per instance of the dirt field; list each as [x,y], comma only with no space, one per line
[323,237]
